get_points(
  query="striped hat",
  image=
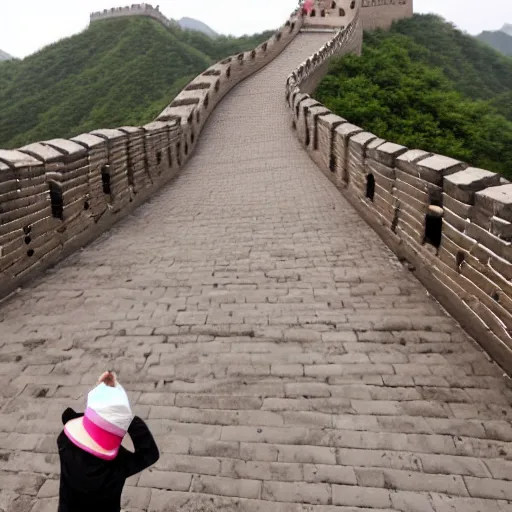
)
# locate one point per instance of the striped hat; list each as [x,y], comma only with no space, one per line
[107,417]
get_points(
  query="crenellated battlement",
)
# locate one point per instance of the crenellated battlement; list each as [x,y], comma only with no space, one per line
[330,13]
[451,222]
[339,13]
[132,10]
[60,194]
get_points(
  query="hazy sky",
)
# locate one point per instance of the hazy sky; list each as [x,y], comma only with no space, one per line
[28,26]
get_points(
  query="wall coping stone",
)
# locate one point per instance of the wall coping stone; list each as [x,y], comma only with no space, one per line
[15,158]
[473,179]
[88,140]
[498,198]
[109,133]
[347,129]
[363,138]
[331,119]
[442,164]
[43,152]
[131,130]
[66,146]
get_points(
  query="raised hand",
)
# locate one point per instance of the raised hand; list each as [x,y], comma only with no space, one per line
[108,378]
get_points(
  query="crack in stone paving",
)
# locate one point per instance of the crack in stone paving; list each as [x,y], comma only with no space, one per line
[282,356]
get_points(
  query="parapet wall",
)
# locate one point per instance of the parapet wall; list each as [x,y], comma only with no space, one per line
[450,222]
[331,13]
[58,195]
[132,10]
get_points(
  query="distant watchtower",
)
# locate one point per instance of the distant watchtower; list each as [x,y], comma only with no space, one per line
[382,13]
[132,10]
[331,13]
[373,13]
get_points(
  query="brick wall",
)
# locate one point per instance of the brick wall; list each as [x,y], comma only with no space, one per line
[58,195]
[451,222]
[373,13]
[132,10]
[382,13]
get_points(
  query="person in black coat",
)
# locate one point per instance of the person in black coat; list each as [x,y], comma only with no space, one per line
[94,465]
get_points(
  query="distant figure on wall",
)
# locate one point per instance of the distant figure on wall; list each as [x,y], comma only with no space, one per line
[307,7]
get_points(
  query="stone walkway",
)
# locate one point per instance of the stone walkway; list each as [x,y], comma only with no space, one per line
[280,353]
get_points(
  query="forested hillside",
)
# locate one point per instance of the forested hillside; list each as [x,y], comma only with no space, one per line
[117,72]
[427,85]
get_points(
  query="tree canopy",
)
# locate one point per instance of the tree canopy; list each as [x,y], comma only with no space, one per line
[426,85]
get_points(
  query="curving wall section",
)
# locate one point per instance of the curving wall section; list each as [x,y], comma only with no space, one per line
[58,195]
[451,222]
[132,10]
[331,13]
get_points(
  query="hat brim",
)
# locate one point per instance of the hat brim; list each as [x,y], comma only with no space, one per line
[76,433]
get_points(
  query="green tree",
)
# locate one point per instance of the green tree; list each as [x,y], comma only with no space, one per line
[401,90]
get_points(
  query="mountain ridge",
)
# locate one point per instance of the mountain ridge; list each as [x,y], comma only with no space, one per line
[499,40]
[197,25]
[507,28]
[5,56]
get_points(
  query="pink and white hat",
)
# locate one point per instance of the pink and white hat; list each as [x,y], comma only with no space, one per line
[107,417]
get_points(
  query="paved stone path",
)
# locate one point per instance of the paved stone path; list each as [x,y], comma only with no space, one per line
[280,353]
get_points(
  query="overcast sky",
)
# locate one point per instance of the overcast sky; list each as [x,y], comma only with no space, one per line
[29,25]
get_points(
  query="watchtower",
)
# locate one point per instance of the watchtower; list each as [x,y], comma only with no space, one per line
[330,13]
[339,13]
[382,13]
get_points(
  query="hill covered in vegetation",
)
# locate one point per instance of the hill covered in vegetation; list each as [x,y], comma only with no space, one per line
[499,40]
[427,85]
[117,72]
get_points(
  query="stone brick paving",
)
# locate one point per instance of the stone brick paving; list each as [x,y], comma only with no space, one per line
[284,359]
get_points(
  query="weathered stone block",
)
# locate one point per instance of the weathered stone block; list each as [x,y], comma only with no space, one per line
[313,114]
[435,167]
[342,134]
[461,209]
[406,162]
[325,129]
[463,184]
[387,153]
[376,167]
[501,228]
[331,120]
[346,130]
[497,200]
[16,159]
[359,142]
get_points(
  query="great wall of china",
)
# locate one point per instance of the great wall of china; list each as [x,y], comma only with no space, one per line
[132,10]
[59,194]
[284,358]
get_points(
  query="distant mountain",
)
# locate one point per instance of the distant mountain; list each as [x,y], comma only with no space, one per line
[507,28]
[4,56]
[199,26]
[499,40]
